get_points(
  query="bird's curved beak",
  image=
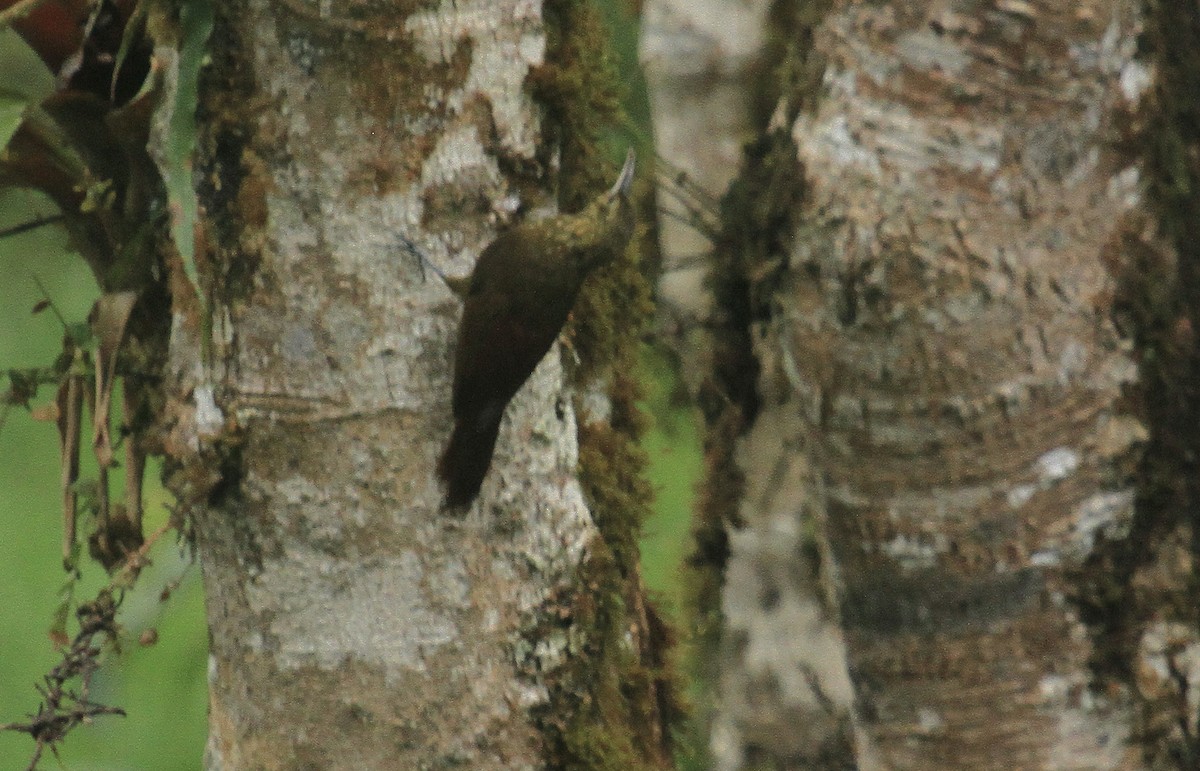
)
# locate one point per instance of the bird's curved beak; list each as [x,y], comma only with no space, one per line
[624,182]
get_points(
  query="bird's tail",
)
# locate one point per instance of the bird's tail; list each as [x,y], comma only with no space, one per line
[466,460]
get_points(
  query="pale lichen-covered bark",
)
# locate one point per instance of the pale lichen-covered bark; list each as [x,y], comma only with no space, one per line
[944,434]
[701,61]
[355,624]
[775,682]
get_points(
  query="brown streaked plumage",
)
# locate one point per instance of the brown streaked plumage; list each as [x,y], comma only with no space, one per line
[516,302]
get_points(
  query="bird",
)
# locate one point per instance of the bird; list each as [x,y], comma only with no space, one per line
[515,303]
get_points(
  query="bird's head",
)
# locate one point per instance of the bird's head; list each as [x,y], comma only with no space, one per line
[604,227]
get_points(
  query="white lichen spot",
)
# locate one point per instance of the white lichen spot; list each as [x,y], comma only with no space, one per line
[1012,395]
[550,651]
[454,584]
[594,401]
[1125,186]
[1118,371]
[1054,688]
[912,553]
[1072,361]
[1167,665]
[929,720]
[725,741]
[1155,643]
[834,140]
[1057,464]
[528,696]
[840,82]
[209,418]
[459,154]
[1045,558]
[1020,495]
[1136,79]
[785,525]
[297,490]
[963,308]
[507,205]
[1110,511]
[499,71]
[1109,43]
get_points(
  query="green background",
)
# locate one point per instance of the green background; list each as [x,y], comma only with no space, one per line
[162,687]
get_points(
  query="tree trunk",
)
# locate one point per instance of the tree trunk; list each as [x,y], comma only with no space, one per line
[709,70]
[936,259]
[354,622]
[702,62]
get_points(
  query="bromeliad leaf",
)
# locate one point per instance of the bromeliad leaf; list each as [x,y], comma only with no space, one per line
[24,80]
[196,22]
[12,110]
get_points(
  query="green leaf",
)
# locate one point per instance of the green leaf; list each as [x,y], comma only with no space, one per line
[22,70]
[58,621]
[88,491]
[12,108]
[80,333]
[71,562]
[24,80]
[135,26]
[23,386]
[196,22]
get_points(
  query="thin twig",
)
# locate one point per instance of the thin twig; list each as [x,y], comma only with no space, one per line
[136,560]
[698,225]
[696,209]
[695,196]
[25,227]
[678,177]
[457,284]
[62,709]
[49,302]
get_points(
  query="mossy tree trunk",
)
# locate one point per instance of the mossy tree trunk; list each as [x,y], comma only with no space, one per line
[354,622]
[962,533]
[703,65]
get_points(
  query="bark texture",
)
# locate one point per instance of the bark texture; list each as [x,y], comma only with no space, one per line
[767,680]
[701,61]
[353,623]
[945,431]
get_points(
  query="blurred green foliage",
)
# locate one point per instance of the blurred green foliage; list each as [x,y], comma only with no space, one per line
[674,446]
[161,687]
[26,81]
